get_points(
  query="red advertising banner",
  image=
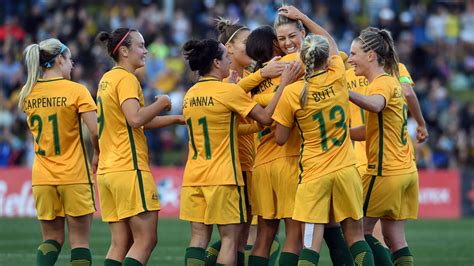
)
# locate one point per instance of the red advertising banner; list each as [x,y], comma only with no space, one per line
[439,195]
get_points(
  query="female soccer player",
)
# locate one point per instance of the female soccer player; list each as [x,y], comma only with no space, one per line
[212,183]
[359,84]
[391,179]
[290,34]
[62,185]
[128,196]
[329,184]
[275,180]
[234,37]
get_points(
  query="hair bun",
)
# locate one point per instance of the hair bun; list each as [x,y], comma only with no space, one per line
[222,24]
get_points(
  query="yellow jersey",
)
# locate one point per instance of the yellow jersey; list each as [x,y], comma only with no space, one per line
[357,117]
[322,122]
[122,148]
[246,142]
[387,141]
[53,111]
[267,149]
[210,108]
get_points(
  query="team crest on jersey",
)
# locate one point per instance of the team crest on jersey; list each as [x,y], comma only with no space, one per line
[154,196]
[397,92]
[103,85]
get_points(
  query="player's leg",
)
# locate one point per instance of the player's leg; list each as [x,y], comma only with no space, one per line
[291,249]
[145,236]
[229,237]
[310,253]
[347,208]
[394,232]
[78,206]
[78,233]
[120,243]
[338,249]
[53,238]
[354,235]
[266,231]
[200,236]
[381,257]
[51,216]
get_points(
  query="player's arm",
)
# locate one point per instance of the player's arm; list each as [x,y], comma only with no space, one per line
[165,120]
[293,13]
[274,68]
[373,103]
[90,119]
[357,133]
[247,129]
[282,134]
[138,116]
[264,115]
[415,111]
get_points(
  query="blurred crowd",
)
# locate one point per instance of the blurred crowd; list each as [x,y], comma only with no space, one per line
[435,40]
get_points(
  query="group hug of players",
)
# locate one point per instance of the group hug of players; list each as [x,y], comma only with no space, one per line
[281,126]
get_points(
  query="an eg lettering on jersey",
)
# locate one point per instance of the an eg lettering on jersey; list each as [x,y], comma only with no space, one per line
[357,83]
[324,94]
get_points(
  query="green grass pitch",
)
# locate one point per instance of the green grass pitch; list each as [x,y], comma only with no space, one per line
[433,242]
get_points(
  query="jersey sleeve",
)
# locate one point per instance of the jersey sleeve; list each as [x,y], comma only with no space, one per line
[251,81]
[264,99]
[84,100]
[237,100]
[286,108]
[379,87]
[128,88]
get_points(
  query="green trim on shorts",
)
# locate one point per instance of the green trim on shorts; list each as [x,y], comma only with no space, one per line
[232,147]
[86,162]
[135,166]
[241,207]
[300,161]
[246,190]
[369,192]
[379,164]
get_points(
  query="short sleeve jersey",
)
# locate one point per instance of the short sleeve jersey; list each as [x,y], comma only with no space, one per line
[211,109]
[246,142]
[267,149]
[322,122]
[387,141]
[53,111]
[122,148]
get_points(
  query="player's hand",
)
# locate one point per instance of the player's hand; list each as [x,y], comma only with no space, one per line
[165,101]
[180,120]
[421,134]
[290,12]
[274,68]
[234,76]
[291,73]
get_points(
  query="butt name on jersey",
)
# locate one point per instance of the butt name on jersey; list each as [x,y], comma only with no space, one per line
[198,101]
[324,94]
[44,102]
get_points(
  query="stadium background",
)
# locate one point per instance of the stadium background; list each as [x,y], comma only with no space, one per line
[435,40]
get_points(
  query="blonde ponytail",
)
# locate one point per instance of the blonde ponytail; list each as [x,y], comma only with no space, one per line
[37,57]
[314,54]
[32,61]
